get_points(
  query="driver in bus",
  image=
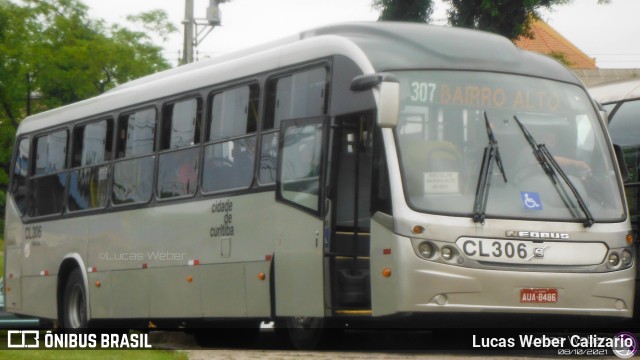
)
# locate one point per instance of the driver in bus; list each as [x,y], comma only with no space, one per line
[573,166]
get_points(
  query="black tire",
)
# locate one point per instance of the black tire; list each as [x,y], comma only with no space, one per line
[243,334]
[309,333]
[74,304]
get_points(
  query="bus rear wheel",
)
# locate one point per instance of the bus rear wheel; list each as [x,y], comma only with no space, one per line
[74,304]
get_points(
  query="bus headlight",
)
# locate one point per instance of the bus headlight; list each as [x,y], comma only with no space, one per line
[613,260]
[447,253]
[426,249]
[627,257]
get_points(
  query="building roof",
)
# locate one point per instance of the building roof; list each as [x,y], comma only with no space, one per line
[547,41]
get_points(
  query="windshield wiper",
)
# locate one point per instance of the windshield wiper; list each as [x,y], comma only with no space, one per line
[553,169]
[491,154]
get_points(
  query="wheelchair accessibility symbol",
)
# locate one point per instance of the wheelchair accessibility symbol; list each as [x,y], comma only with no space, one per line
[531,200]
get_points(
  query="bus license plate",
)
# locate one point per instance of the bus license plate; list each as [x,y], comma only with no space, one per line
[548,295]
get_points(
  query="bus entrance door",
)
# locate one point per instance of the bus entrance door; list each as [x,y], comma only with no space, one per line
[298,261]
[348,249]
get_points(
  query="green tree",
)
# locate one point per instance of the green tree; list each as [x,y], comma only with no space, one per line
[404,10]
[510,18]
[52,53]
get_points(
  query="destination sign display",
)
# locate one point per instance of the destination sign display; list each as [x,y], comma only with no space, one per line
[489,91]
[484,96]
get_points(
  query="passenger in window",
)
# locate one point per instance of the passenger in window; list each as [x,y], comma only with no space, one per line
[187,176]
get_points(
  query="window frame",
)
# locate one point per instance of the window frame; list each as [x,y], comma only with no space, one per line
[33,177]
[268,124]
[208,124]
[107,162]
[27,176]
[117,159]
[164,150]
[324,122]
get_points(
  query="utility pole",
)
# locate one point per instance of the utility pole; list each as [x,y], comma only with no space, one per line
[194,29]
[189,24]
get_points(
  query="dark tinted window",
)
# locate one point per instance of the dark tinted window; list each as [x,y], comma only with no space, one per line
[136,133]
[89,181]
[178,165]
[234,112]
[20,173]
[133,176]
[229,158]
[624,127]
[299,95]
[48,184]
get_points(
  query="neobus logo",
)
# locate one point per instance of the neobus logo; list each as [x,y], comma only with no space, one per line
[537,235]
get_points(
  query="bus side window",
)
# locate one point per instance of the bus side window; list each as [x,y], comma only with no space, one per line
[133,171]
[89,180]
[301,166]
[300,95]
[20,173]
[49,180]
[229,156]
[179,137]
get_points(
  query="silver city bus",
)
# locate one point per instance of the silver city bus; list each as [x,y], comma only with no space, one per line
[354,172]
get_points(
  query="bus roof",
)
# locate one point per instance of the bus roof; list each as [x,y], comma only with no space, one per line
[374,46]
[616,91]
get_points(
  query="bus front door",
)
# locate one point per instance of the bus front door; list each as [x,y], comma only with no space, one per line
[348,248]
[298,260]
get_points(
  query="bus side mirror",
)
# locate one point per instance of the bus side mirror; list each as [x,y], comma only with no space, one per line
[388,99]
[622,164]
[388,105]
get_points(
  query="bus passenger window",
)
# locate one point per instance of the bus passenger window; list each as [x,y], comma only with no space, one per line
[20,172]
[229,158]
[133,174]
[300,172]
[89,181]
[229,164]
[49,181]
[178,165]
[300,95]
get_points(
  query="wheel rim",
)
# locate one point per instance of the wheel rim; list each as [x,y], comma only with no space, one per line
[76,308]
[303,322]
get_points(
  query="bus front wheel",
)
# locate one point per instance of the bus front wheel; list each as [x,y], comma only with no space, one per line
[74,305]
[307,333]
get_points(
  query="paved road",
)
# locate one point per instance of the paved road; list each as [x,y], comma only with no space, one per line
[353,345]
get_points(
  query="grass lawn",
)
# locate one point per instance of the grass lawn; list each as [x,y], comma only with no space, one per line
[92,354]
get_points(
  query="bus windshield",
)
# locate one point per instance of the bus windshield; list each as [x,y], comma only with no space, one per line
[447,119]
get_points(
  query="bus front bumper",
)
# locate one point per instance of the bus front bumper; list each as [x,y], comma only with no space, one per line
[420,286]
